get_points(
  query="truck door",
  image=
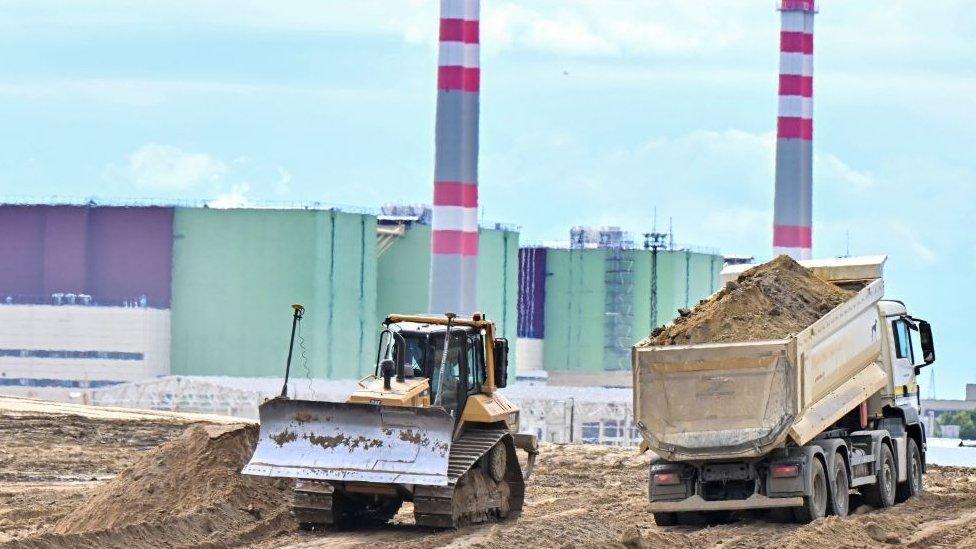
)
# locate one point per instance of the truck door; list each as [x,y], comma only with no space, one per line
[903,364]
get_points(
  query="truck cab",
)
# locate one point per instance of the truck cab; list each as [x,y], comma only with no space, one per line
[904,349]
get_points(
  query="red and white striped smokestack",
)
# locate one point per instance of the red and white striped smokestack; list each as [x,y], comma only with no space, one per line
[792,217]
[454,239]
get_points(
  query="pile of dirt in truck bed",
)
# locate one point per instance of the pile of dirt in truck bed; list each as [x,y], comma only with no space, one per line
[188,491]
[769,301]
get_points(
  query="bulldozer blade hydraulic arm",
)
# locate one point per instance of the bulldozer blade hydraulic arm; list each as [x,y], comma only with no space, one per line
[529,443]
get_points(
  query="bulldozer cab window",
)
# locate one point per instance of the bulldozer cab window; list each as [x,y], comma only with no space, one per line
[475,364]
[452,369]
[415,355]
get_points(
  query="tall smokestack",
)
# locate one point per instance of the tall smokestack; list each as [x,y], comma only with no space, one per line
[454,240]
[792,227]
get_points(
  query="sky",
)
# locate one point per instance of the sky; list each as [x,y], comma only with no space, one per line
[593,112]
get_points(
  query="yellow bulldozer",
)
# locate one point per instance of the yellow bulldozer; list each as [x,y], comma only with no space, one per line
[428,426]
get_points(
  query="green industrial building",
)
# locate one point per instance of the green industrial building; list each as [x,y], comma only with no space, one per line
[403,284]
[583,307]
[236,272]
[198,291]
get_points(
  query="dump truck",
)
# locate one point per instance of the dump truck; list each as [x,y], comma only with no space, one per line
[428,426]
[794,424]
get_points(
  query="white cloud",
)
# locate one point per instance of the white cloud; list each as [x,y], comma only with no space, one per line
[908,236]
[168,168]
[561,26]
[235,198]
[717,185]
[151,92]
[589,27]
[282,185]
[166,171]
[833,171]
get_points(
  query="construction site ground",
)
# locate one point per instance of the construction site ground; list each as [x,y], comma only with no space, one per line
[79,476]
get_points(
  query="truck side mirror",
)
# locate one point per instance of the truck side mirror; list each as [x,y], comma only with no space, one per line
[501,362]
[926,342]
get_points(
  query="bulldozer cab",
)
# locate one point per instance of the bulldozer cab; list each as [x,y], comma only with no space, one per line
[422,349]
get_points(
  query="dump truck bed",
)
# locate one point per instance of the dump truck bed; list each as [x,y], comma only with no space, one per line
[740,400]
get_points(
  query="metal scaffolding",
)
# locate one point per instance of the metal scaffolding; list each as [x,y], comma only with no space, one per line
[619,303]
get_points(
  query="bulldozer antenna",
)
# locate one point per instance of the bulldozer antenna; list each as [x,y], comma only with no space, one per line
[299,311]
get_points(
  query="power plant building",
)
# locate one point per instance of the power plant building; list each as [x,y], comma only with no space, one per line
[96,295]
[583,305]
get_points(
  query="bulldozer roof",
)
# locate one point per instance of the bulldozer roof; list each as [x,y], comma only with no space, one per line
[437,322]
[431,328]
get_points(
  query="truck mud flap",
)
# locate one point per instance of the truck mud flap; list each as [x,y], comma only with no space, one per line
[352,442]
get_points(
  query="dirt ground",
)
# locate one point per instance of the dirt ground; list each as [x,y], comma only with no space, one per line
[769,301]
[154,480]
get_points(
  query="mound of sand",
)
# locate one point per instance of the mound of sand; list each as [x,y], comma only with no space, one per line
[190,486]
[769,301]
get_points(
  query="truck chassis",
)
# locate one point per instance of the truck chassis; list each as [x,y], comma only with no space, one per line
[884,464]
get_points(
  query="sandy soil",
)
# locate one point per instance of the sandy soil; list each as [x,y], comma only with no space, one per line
[769,301]
[185,493]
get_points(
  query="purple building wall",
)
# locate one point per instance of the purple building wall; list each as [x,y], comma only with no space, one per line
[21,263]
[64,250]
[113,254]
[532,293]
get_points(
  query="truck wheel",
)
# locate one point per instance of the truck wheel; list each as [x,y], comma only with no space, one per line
[881,494]
[913,484]
[840,489]
[666,519]
[814,505]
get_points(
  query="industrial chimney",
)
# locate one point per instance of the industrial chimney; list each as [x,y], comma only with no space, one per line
[792,227]
[454,239]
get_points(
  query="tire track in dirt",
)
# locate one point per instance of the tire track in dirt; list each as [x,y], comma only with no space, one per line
[946,533]
[579,496]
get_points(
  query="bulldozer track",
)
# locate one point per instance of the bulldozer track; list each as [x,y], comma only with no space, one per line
[312,504]
[317,504]
[472,495]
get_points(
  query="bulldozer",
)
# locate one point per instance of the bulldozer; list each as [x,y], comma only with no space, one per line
[427,426]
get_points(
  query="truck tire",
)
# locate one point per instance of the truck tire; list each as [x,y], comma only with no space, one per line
[840,488]
[814,505]
[881,494]
[666,519]
[913,484]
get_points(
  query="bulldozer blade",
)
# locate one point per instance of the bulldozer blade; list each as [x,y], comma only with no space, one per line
[352,442]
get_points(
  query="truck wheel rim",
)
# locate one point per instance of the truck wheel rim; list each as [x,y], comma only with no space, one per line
[820,493]
[841,490]
[916,474]
[886,475]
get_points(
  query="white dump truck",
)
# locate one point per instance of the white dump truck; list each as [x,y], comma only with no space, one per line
[795,423]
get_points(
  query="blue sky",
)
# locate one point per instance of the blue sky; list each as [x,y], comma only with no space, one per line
[593,112]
